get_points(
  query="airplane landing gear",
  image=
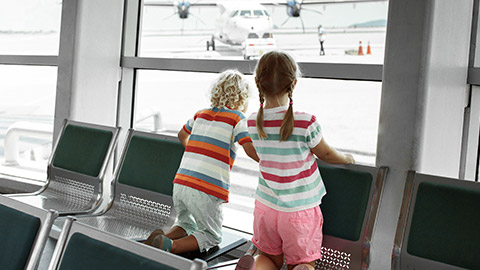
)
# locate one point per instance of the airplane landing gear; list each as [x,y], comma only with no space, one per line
[211,43]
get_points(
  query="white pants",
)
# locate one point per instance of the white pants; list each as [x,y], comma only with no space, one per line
[199,214]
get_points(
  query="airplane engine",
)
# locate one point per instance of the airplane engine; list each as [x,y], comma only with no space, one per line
[183,9]
[293,8]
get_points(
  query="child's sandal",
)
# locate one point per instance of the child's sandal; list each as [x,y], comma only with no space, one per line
[246,262]
[152,236]
[162,242]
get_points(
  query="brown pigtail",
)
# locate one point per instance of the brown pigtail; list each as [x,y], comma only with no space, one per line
[261,132]
[288,121]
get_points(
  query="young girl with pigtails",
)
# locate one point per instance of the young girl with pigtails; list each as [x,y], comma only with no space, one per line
[287,217]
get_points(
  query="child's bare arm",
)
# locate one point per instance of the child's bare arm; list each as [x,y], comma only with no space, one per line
[183,137]
[329,154]
[250,150]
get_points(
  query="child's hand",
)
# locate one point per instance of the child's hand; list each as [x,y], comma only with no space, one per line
[349,159]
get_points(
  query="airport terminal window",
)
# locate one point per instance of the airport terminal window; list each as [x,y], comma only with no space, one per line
[27,104]
[37,33]
[347,110]
[165,33]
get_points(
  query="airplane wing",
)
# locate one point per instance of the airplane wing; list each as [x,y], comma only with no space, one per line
[174,3]
[306,2]
[277,2]
[316,2]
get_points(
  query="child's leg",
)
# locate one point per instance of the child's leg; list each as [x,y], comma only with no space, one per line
[303,266]
[185,244]
[176,232]
[167,243]
[266,261]
[179,243]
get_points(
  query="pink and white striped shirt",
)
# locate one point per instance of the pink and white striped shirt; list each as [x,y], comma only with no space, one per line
[289,178]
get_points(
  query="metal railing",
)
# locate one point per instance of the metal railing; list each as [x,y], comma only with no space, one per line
[151,112]
[23,129]
[45,131]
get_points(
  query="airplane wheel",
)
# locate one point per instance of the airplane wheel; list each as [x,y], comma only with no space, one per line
[212,43]
[208,45]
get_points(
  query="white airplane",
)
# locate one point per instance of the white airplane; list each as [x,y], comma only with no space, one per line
[240,20]
[244,23]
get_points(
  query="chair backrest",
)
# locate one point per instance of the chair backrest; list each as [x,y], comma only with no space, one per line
[24,231]
[349,211]
[83,148]
[150,162]
[439,223]
[81,246]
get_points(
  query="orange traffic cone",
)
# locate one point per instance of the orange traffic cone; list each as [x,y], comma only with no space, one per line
[369,49]
[360,49]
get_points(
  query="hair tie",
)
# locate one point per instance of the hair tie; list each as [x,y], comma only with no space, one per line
[291,103]
[261,104]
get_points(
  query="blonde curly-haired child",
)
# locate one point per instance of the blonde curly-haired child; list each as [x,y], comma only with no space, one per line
[202,182]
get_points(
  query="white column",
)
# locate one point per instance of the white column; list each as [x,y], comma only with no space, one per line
[423,99]
[89,61]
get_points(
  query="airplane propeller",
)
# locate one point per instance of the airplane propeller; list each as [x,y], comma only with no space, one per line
[293,10]
[182,9]
[169,16]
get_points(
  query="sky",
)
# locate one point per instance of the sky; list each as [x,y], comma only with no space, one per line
[30,15]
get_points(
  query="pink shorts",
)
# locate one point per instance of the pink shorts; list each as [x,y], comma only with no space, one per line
[298,235]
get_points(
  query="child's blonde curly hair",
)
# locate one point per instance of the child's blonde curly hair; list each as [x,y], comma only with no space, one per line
[230,90]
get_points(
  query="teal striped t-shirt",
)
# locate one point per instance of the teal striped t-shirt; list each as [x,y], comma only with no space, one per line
[289,178]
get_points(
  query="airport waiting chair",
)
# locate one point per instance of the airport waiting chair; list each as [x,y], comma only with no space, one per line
[143,188]
[142,197]
[439,224]
[23,233]
[349,211]
[81,246]
[76,169]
